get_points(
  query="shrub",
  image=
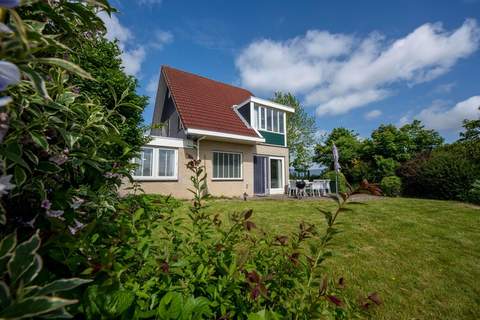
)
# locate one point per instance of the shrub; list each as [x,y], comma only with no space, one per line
[391,186]
[342,181]
[168,265]
[473,194]
[445,173]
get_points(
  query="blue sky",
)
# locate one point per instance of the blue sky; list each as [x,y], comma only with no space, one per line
[352,63]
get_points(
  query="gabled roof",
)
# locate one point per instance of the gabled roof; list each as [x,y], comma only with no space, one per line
[207,104]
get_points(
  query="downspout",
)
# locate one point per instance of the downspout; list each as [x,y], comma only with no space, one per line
[198,146]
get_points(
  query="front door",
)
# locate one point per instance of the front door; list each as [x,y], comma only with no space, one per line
[260,175]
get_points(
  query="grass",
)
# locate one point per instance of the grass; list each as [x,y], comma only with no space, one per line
[421,256]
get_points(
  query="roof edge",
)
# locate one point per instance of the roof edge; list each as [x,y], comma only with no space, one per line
[218,134]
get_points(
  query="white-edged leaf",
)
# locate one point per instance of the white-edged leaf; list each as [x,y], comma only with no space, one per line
[62,285]
[34,307]
[39,139]
[66,65]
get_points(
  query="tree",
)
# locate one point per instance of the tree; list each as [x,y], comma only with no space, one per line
[101,58]
[348,145]
[472,129]
[300,132]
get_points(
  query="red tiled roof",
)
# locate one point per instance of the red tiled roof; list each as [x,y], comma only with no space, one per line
[206,104]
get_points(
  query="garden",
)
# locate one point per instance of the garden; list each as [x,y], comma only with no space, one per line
[71,247]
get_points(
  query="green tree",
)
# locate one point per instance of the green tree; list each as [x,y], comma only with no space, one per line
[300,132]
[101,58]
[471,129]
[349,146]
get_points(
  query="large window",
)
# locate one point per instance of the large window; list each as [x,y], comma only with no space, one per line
[269,119]
[156,164]
[227,165]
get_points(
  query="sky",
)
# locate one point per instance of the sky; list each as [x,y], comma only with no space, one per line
[353,64]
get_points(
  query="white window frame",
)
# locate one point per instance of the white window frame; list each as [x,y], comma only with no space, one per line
[155,166]
[260,111]
[227,179]
[280,190]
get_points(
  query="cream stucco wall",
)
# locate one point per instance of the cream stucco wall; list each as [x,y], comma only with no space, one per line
[227,188]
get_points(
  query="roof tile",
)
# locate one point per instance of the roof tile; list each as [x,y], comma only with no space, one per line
[207,104]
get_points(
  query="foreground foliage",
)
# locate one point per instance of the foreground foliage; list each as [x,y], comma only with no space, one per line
[421,256]
[197,266]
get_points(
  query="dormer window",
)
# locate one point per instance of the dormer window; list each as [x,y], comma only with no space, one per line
[269,119]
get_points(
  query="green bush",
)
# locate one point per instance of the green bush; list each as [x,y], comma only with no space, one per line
[391,186]
[446,173]
[473,194]
[342,181]
[168,265]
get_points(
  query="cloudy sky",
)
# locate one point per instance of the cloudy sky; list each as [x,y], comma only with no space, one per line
[355,64]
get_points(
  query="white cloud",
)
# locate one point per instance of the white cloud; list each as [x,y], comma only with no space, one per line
[373,114]
[132,58]
[443,118]
[152,86]
[161,38]
[340,72]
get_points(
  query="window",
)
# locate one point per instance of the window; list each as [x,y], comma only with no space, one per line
[269,119]
[276,173]
[166,162]
[156,164]
[144,168]
[281,125]
[227,165]
[275,121]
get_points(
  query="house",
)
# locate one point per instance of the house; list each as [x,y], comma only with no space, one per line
[241,139]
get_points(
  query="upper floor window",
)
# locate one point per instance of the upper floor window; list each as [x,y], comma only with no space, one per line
[156,164]
[269,119]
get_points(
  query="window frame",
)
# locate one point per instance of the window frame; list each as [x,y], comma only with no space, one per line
[275,115]
[156,164]
[222,166]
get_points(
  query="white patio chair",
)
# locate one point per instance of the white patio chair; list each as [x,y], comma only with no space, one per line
[317,188]
[327,186]
[292,188]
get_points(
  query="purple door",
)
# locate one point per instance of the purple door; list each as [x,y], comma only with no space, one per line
[259,175]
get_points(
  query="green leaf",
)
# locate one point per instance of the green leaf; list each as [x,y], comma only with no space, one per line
[62,285]
[47,166]
[8,243]
[39,139]
[37,80]
[34,307]
[20,176]
[23,257]
[3,215]
[33,271]
[4,295]
[66,65]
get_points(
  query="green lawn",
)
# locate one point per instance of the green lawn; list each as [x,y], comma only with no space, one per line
[422,256]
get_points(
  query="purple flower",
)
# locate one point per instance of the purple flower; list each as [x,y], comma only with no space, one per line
[9,3]
[55,214]
[5,29]
[76,227]
[5,184]
[5,100]
[76,203]
[110,175]
[59,159]
[46,204]
[9,74]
